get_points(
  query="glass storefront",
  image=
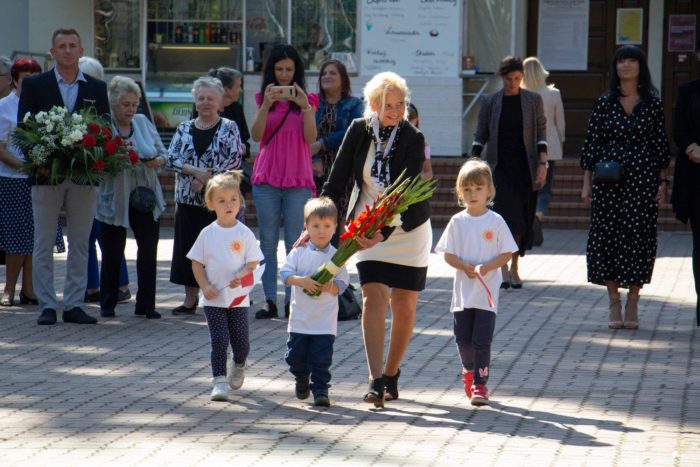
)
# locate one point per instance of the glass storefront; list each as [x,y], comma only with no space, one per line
[183,39]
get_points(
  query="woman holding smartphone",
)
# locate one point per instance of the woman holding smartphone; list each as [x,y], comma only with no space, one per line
[114,211]
[285,126]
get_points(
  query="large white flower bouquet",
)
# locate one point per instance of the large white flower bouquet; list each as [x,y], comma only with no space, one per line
[80,147]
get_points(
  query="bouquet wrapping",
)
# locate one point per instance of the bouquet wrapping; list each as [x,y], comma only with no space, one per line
[394,200]
[76,146]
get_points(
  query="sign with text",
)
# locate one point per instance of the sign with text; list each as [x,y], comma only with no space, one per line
[411,37]
[562,34]
[681,33]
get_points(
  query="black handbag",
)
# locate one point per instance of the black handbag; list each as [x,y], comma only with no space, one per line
[608,172]
[348,306]
[142,199]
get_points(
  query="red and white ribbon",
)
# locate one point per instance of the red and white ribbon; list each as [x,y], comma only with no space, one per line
[488,292]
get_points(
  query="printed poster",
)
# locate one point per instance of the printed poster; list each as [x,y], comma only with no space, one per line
[411,37]
[629,26]
[681,33]
[562,34]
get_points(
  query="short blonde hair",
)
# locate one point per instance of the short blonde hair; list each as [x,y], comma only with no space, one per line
[320,207]
[376,89]
[475,172]
[230,180]
[207,82]
[534,74]
[120,86]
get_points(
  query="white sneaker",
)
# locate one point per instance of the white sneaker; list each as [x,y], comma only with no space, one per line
[219,392]
[236,374]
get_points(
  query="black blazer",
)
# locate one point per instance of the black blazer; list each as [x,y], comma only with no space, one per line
[41,92]
[686,130]
[350,161]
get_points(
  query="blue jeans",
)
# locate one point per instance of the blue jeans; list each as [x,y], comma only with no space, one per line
[93,281]
[311,355]
[271,204]
[545,193]
[473,329]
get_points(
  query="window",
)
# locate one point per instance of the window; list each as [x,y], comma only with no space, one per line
[320,29]
[117,33]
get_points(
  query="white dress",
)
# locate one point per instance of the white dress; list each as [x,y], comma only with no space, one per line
[402,248]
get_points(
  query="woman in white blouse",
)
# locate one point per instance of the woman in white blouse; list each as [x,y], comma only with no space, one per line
[116,213]
[534,79]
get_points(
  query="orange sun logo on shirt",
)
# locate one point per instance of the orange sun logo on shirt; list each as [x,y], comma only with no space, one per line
[236,246]
[488,235]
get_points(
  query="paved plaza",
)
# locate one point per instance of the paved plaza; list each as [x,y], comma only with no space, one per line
[565,389]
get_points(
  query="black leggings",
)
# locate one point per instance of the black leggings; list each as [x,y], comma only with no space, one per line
[473,329]
[227,326]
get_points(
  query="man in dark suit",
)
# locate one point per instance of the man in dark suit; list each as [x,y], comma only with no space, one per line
[66,86]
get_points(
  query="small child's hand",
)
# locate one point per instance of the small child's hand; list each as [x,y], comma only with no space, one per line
[481,269]
[309,284]
[235,282]
[329,287]
[209,292]
[469,270]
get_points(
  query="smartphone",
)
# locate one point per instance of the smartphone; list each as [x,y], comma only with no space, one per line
[285,92]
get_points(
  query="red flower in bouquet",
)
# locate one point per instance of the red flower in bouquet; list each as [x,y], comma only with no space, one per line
[111,148]
[393,201]
[89,141]
[133,157]
[99,165]
[118,139]
[74,146]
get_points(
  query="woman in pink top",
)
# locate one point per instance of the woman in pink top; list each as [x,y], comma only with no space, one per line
[285,126]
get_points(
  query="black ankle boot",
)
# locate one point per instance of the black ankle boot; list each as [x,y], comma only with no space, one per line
[375,392]
[392,386]
[267,311]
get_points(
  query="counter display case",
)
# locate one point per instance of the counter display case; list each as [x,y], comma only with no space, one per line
[186,38]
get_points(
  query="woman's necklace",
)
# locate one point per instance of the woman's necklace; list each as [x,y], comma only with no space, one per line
[205,126]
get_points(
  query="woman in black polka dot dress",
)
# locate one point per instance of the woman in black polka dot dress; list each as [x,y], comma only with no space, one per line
[626,126]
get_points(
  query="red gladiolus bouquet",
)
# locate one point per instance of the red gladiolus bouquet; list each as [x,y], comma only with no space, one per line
[393,201]
[78,146]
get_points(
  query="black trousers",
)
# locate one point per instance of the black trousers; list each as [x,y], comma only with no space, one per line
[146,233]
[695,227]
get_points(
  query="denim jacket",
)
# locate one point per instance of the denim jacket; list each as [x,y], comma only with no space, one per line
[349,108]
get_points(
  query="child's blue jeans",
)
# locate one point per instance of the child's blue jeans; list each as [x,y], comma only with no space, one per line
[473,330]
[310,355]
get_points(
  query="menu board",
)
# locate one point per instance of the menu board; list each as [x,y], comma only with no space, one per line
[410,37]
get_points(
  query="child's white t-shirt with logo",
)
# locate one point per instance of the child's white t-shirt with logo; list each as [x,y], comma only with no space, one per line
[476,240]
[224,252]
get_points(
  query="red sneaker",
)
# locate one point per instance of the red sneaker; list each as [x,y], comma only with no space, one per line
[480,395]
[468,380]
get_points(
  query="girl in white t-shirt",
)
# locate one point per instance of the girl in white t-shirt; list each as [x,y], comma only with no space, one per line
[224,252]
[476,242]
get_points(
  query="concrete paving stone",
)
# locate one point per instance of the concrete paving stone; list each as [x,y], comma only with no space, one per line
[566,390]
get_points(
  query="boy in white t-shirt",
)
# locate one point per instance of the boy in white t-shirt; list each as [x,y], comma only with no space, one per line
[313,321]
[476,242]
[225,251]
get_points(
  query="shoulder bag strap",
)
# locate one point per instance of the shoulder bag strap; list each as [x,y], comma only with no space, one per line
[278,126]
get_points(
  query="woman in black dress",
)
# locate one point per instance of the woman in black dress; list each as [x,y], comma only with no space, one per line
[513,128]
[686,179]
[626,126]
